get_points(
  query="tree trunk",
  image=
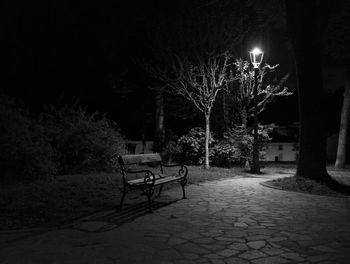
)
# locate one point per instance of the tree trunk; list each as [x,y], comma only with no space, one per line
[224,112]
[304,28]
[207,135]
[244,117]
[143,126]
[341,152]
[255,168]
[159,133]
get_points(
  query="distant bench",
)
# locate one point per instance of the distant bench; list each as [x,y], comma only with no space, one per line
[150,178]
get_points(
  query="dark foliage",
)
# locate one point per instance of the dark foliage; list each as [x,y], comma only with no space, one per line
[25,152]
[192,146]
[64,140]
[234,148]
[83,142]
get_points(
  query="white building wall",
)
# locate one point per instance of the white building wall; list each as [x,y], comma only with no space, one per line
[282,151]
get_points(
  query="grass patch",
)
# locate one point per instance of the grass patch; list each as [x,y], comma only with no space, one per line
[55,202]
[69,197]
[298,184]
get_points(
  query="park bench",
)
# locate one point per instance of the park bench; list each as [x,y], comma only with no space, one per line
[146,172]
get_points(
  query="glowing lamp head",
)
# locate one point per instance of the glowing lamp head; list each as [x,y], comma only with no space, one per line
[256,56]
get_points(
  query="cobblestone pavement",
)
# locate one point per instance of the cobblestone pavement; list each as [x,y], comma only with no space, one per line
[222,222]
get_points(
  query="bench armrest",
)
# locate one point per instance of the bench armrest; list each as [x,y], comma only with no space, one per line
[182,171]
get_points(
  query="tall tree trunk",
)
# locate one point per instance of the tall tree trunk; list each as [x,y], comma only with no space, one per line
[244,117]
[159,133]
[143,127]
[207,135]
[224,112]
[255,168]
[304,28]
[343,130]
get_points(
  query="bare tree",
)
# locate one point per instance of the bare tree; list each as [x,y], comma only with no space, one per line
[199,81]
[198,32]
[266,93]
[267,90]
[197,29]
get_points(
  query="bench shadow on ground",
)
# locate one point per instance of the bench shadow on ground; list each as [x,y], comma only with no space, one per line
[98,222]
[108,220]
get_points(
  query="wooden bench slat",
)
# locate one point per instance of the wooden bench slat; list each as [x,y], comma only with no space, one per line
[158,181]
[167,179]
[140,158]
[140,181]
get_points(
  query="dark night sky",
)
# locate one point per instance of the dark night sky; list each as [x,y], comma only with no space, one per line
[56,52]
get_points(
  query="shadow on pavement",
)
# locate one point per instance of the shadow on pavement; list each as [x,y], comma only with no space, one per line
[104,221]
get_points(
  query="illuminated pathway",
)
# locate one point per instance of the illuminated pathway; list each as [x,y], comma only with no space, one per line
[229,221]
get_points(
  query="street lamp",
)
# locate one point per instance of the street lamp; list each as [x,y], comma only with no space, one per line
[256,56]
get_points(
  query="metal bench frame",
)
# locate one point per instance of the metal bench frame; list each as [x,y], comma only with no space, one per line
[150,179]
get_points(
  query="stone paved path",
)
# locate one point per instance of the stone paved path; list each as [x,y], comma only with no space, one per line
[230,221]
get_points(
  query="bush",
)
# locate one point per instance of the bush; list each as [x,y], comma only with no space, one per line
[83,142]
[240,137]
[224,154]
[25,152]
[192,146]
[171,152]
[234,149]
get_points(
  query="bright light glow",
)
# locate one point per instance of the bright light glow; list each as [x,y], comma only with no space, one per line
[256,51]
[256,56]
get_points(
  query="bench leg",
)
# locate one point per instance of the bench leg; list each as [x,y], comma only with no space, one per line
[149,193]
[122,199]
[183,183]
[160,190]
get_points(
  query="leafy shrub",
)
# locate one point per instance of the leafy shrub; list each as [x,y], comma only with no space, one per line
[25,152]
[224,154]
[240,137]
[171,152]
[192,146]
[264,136]
[84,142]
[236,147]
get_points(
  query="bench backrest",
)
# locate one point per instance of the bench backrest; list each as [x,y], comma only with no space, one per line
[139,159]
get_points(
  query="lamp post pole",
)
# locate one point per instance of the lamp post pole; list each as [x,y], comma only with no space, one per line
[255,168]
[256,57]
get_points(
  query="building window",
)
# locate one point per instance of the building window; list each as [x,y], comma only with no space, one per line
[280,147]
